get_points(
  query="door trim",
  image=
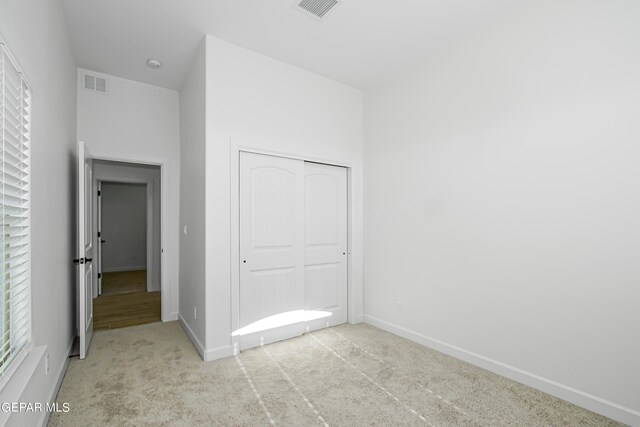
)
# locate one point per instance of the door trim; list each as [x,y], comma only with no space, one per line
[354,293]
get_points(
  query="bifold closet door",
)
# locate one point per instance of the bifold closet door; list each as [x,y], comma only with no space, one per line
[293,246]
[325,243]
[271,244]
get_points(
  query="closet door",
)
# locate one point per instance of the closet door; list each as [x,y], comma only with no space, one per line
[272,253]
[325,242]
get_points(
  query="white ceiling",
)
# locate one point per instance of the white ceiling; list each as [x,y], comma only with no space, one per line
[360,42]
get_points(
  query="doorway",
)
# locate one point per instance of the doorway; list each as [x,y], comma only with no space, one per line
[127,224]
[122,225]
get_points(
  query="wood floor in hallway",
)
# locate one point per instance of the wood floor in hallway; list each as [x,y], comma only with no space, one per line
[122,282]
[125,301]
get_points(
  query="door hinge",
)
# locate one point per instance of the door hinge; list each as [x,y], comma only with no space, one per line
[99,275]
[99,193]
[98,234]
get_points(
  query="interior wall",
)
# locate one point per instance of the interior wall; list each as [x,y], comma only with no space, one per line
[35,32]
[150,177]
[139,123]
[261,103]
[502,197]
[124,227]
[192,200]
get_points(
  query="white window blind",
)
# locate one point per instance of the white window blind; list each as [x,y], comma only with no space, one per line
[15,271]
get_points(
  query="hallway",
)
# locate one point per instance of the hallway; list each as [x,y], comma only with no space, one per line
[125,301]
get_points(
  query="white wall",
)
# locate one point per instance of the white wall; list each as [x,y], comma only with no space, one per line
[139,123]
[192,200]
[124,226]
[502,197]
[35,32]
[258,102]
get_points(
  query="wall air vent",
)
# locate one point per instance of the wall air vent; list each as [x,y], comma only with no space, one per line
[94,83]
[317,8]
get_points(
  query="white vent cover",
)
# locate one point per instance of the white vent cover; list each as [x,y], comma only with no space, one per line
[317,8]
[96,84]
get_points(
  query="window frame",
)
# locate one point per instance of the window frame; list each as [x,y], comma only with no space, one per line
[13,365]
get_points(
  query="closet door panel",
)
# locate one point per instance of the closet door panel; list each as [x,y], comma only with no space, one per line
[325,245]
[271,244]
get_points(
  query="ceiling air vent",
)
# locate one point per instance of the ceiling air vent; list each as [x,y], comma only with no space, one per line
[96,84]
[317,8]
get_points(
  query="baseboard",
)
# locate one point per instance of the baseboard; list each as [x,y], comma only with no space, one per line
[593,403]
[218,353]
[356,319]
[172,317]
[118,269]
[192,336]
[56,386]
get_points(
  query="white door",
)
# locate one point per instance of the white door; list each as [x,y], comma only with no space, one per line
[293,247]
[100,241]
[271,244]
[325,243]
[85,249]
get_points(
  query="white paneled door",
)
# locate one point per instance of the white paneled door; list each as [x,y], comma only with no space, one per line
[325,242]
[271,244]
[293,247]
[85,249]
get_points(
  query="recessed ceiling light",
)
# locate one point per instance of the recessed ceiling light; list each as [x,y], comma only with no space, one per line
[154,63]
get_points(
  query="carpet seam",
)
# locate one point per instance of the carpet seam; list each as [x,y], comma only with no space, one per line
[295,387]
[431,392]
[255,391]
[372,381]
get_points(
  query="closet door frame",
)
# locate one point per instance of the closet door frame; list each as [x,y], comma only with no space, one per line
[235,150]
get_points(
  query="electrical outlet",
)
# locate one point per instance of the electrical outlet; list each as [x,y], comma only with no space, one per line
[400,306]
[46,364]
[195,312]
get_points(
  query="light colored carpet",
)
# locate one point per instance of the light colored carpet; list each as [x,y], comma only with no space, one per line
[350,375]
[122,282]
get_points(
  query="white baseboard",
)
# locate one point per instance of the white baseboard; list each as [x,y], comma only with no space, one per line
[118,269]
[356,319]
[53,394]
[580,398]
[192,336]
[171,317]
[210,354]
[218,353]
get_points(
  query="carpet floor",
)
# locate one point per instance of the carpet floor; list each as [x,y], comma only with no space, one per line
[350,375]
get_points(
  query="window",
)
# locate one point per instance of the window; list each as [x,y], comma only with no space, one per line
[15,271]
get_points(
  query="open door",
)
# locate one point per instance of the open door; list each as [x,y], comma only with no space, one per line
[85,249]
[100,241]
